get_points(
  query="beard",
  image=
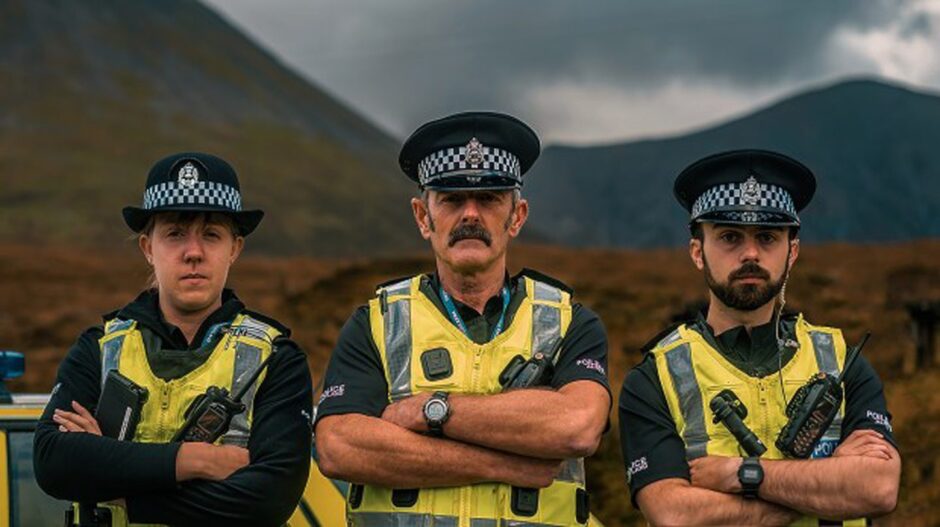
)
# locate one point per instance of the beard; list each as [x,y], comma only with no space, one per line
[744,297]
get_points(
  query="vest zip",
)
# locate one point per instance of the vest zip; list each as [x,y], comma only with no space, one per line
[465,492]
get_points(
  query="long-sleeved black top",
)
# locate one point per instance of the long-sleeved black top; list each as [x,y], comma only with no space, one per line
[86,467]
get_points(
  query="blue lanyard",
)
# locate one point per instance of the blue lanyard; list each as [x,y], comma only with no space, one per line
[455,315]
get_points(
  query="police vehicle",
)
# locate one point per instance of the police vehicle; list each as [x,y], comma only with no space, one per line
[23,503]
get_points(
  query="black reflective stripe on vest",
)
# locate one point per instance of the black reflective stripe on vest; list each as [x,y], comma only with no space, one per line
[111,350]
[397,329]
[399,519]
[679,363]
[825,351]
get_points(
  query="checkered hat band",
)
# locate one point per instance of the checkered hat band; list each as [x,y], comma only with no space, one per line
[732,195]
[455,159]
[171,193]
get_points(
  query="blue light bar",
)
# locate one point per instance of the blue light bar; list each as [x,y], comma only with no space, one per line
[12,365]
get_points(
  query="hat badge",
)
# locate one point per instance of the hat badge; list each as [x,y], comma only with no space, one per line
[474,153]
[188,176]
[750,191]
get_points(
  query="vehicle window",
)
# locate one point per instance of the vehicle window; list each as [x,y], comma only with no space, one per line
[31,506]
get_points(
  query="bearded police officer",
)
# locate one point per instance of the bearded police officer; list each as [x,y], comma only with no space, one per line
[177,340]
[466,397]
[684,463]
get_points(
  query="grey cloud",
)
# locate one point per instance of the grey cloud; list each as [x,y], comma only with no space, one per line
[406,61]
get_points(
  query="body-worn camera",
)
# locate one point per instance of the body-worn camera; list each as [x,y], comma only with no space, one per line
[813,408]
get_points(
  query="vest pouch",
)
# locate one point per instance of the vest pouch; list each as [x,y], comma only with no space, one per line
[582,503]
[524,501]
[405,497]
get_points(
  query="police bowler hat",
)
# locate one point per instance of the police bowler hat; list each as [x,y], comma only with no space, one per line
[192,182]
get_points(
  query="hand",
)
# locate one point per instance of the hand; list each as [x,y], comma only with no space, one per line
[866,443]
[718,473]
[529,472]
[408,413]
[79,421]
[212,462]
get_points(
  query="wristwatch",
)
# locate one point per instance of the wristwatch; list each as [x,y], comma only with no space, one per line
[436,412]
[751,475]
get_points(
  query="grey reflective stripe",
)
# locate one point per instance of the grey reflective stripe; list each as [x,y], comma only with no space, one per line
[111,350]
[546,293]
[253,328]
[572,471]
[825,352]
[247,360]
[399,519]
[679,363]
[482,522]
[397,329]
[398,288]
[669,339]
[546,328]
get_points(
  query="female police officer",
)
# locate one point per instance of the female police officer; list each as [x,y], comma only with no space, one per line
[176,340]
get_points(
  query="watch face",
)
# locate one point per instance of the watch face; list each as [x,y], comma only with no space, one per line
[435,410]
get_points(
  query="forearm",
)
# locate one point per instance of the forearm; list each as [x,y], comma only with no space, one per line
[834,488]
[369,450]
[533,422]
[676,502]
[260,494]
[85,467]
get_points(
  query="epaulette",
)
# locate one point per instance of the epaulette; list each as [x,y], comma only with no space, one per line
[646,348]
[394,281]
[284,330]
[535,275]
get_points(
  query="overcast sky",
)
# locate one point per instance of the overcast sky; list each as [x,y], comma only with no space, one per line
[593,71]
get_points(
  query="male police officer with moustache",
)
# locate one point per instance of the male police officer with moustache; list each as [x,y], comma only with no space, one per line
[413,411]
[682,466]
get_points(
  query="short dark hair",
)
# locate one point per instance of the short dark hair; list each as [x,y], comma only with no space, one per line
[188,217]
[793,232]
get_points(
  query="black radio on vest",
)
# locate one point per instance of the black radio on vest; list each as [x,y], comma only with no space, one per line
[730,411]
[210,415]
[813,408]
[536,371]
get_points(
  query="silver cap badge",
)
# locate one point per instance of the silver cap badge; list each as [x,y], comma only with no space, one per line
[750,191]
[188,176]
[474,153]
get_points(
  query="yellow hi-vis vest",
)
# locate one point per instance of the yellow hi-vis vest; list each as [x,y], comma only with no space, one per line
[246,343]
[406,325]
[692,372]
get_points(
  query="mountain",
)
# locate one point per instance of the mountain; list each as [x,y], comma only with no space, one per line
[871,145]
[94,92]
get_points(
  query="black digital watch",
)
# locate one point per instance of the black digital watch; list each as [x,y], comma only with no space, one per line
[436,413]
[751,475]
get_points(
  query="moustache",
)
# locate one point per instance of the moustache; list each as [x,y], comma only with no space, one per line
[469,231]
[749,270]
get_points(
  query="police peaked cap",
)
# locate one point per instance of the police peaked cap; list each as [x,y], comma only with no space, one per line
[745,187]
[471,150]
[192,182]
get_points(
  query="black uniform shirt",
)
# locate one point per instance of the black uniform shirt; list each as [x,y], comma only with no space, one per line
[653,449]
[82,467]
[355,379]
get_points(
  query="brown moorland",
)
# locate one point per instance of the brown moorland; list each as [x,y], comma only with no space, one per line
[49,294]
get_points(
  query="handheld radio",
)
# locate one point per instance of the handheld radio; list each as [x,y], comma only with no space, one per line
[210,414]
[536,371]
[812,409]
